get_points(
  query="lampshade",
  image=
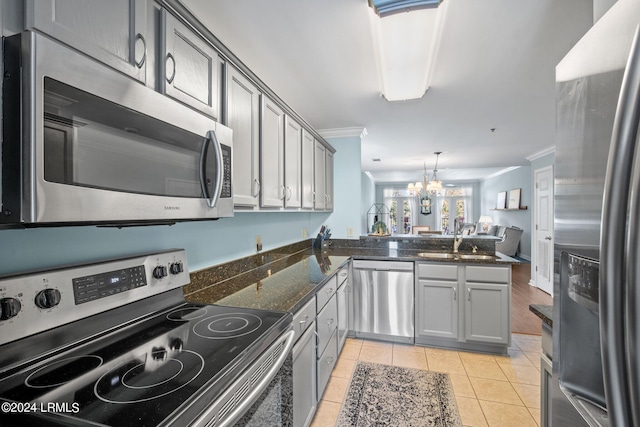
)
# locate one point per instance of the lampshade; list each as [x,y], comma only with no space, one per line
[485,219]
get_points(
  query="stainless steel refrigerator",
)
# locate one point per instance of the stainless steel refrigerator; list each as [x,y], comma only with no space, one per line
[596,312]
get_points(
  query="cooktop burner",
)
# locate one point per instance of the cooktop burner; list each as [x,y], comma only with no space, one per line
[139,379]
[62,371]
[229,325]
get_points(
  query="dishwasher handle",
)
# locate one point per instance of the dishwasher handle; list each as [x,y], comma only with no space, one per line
[383,265]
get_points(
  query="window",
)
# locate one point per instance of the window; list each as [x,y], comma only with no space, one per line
[402,210]
[455,203]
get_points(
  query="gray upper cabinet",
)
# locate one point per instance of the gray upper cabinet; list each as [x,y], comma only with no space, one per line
[319,172]
[114,32]
[292,163]
[243,117]
[308,145]
[191,65]
[328,181]
[272,192]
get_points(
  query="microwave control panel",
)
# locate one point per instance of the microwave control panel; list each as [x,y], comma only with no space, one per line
[226,171]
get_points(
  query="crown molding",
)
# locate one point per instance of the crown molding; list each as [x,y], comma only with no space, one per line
[539,154]
[344,132]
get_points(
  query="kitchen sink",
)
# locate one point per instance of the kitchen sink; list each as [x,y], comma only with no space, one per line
[438,255]
[477,256]
[448,255]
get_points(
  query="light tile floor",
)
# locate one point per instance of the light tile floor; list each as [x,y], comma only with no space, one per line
[491,391]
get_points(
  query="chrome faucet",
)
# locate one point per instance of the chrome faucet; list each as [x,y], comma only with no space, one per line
[456,240]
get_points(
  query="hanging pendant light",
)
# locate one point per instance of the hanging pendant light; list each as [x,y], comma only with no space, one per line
[435,185]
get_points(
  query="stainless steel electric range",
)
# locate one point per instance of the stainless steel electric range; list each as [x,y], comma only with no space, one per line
[114,343]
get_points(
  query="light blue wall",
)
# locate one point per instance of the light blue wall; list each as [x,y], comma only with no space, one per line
[346,188]
[489,189]
[207,242]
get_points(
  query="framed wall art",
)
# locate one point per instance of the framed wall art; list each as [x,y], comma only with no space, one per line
[514,199]
[502,200]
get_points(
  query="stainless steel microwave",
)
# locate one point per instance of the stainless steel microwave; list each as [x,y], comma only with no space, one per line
[83,143]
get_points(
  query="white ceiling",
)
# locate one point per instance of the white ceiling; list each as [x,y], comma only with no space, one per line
[494,70]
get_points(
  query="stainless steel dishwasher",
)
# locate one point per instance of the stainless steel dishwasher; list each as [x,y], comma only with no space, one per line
[383,300]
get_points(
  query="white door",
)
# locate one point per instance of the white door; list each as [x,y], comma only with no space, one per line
[543,258]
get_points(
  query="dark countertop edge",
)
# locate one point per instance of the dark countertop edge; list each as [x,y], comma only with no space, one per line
[305,299]
[544,312]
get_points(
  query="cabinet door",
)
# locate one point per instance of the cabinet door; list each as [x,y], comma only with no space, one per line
[343,323]
[292,163]
[243,117]
[487,313]
[190,72]
[437,308]
[113,32]
[308,143]
[546,391]
[271,154]
[327,323]
[304,379]
[328,181]
[319,192]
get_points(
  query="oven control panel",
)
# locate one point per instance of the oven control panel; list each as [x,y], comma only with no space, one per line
[37,301]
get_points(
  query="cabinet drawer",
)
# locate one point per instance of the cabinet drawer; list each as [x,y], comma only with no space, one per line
[438,271]
[477,273]
[343,275]
[326,292]
[326,363]
[303,318]
[327,323]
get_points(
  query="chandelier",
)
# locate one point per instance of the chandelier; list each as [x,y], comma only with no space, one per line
[435,185]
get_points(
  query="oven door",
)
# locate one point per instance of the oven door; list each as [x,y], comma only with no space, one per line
[97,146]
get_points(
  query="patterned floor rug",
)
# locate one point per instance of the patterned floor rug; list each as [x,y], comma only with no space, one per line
[381,395]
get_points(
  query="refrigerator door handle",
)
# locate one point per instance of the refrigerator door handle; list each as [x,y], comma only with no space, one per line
[632,327]
[612,247]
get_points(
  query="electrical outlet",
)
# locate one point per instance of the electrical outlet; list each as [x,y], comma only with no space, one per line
[305,234]
[258,243]
[349,231]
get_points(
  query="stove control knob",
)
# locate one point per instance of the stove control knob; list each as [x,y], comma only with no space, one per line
[176,344]
[176,268]
[48,298]
[159,353]
[9,307]
[160,271]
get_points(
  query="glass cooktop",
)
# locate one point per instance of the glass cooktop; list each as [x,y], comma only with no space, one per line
[146,374]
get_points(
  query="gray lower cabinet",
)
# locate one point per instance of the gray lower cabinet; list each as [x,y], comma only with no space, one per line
[304,378]
[113,32]
[546,377]
[463,306]
[438,313]
[327,329]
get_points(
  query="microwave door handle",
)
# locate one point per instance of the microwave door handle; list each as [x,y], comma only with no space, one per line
[615,207]
[211,139]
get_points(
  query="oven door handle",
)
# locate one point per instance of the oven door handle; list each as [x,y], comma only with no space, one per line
[211,139]
[248,400]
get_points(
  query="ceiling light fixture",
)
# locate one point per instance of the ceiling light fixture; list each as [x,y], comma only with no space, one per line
[435,185]
[406,36]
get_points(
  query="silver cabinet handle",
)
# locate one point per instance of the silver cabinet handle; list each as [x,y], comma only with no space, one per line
[305,320]
[547,238]
[329,291]
[211,139]
[455,294]
[468,294]
[282,188]
[290,192]
[313,198]
[330,321]
[259,187]
[173,73]
[330,361]
[140,63]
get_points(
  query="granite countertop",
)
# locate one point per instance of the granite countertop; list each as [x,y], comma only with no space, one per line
[287,284]
[545,312]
